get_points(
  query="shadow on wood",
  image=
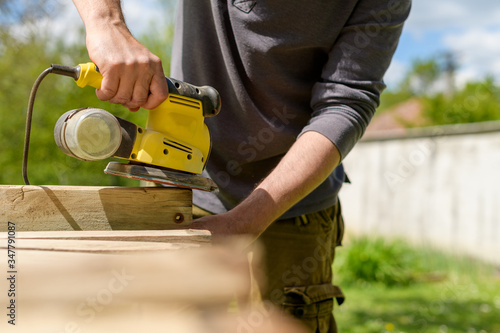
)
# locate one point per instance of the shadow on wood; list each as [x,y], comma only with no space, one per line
[34,208]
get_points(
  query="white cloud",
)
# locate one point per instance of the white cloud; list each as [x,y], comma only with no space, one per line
[139,15]
[429,15]
[67,25]
[395,73]
[477,51]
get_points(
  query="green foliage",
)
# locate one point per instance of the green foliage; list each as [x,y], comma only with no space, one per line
[159,38]
[418,81]
[448,293]
[476,102]
[452,306]
[390,98]
[160,43]
[422,75]
[21,61]
[378,261]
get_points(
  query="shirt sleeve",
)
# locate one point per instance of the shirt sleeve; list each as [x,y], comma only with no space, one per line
[345,98]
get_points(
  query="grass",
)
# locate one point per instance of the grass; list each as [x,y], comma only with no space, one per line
[428,292]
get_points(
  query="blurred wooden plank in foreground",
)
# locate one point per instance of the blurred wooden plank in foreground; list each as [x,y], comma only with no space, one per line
[162,236]
[160,290]
[128,241]
[35,208]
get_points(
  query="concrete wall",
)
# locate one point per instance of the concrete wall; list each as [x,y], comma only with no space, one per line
[436,186]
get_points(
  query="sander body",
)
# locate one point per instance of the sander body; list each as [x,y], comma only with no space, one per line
[171,149]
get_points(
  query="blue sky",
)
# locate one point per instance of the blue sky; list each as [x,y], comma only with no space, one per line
[468,28]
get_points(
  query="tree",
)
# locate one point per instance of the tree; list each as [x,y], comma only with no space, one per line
[477,101]
[422,77]
[431,81]
[419,80]
[21,61]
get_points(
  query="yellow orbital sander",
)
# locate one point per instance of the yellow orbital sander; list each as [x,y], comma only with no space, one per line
[172,149]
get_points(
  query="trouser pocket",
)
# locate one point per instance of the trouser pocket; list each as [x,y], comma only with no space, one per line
[307,295]
[313,305]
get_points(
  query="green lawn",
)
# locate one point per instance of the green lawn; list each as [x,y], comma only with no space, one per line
[442,293]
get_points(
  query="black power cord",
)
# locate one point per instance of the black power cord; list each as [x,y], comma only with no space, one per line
[73,72]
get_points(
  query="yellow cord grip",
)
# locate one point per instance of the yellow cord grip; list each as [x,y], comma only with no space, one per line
[89,76]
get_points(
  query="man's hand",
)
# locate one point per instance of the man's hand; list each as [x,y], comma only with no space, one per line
[226,224]
[132,75]
[227,228]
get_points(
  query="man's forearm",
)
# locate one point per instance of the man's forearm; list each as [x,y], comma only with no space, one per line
[95,11]
[306,165]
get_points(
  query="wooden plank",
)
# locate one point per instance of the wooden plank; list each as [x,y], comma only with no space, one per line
[130,292]
[184,291]
[163,236]
[98,246]
[199,275]
[51,208]
[126,241]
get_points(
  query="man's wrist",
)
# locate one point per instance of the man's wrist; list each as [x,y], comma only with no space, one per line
[98,26]
[254,214]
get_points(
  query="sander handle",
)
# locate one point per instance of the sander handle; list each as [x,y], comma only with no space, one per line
[89,75]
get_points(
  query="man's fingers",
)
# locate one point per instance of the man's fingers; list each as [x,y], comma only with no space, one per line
[141,93]
[109,87]
[135,85]
[158,92]
[117,84]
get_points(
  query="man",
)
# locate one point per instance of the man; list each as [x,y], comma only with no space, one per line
[299,83]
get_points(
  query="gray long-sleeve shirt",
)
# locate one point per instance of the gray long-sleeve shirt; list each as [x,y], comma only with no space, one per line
[282,68]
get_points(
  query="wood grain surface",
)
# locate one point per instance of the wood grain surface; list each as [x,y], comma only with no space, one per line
[50,208]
